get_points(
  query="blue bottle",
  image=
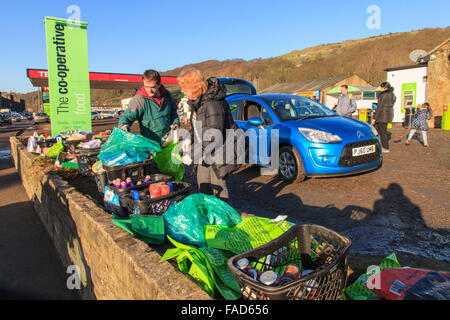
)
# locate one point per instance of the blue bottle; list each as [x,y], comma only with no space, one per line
[135,194]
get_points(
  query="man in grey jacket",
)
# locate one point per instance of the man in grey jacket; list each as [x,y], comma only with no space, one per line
[346,105]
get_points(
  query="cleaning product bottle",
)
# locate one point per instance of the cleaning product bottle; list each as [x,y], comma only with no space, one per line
[135,194]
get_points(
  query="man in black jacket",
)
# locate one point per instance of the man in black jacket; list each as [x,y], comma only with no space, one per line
[210,114]
[384,113]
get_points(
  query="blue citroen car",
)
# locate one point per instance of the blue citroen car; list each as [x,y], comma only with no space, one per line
[313,140]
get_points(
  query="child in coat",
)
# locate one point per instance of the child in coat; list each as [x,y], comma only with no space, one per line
[420,123]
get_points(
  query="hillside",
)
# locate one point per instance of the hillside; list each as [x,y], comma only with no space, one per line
[366,57]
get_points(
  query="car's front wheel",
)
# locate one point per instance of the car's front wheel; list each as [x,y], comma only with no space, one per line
[290,165]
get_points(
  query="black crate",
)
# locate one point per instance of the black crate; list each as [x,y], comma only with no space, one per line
[156,205]
[132,170]
[154,178]
[86,158]
[310,247]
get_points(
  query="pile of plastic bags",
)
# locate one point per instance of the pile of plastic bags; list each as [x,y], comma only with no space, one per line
[206,233]
[390,281]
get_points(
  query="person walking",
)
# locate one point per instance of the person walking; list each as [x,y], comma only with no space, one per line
[153,107]
[384,113]
[346,104]
[420,123]
[209,111]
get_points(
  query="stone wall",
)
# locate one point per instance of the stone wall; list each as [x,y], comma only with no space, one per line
[438,86]
[113,263]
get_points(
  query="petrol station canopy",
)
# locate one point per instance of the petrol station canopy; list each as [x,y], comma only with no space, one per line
[100,80]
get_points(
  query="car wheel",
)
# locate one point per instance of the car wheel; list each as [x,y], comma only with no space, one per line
[291,165]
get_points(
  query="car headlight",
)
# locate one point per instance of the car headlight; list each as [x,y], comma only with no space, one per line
[319,136]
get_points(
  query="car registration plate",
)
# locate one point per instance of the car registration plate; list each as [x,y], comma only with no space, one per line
[363,150]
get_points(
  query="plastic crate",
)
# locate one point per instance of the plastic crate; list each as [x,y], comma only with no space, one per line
[158,205]
[86,158]
[154,178]
[309,247]
[132,170]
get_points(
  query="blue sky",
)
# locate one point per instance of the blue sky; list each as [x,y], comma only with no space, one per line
[131,36]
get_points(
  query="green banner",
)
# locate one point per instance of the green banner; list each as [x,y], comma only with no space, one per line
[68,75]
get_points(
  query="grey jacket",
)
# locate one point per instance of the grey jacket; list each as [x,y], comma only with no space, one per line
[346,105]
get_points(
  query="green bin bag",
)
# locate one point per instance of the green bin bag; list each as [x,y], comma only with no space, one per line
[54,150]
[184,221]
[124,147]
[147,228]
[169,161]
[208,267]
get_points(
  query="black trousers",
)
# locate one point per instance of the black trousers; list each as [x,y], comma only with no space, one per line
[382,131]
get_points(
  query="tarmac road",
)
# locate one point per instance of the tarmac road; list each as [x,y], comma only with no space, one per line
[30,267]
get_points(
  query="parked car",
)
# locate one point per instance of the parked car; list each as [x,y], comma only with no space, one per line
[39,117]
[16,117]
[5,118]
[313,140]
[26,116]
[118,113]
[95,115]
[107,114]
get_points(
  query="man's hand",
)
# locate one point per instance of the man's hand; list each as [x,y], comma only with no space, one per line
[125,127]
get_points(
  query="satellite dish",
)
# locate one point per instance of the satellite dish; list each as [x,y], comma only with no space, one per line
[416,55]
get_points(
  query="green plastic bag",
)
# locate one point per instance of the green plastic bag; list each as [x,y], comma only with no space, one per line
[185,220]
[169,162]
[358,289]
[251,233]
[208,267]
[147,228]
[54,150]
[124,147]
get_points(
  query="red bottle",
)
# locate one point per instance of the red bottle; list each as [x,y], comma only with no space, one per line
[165,190]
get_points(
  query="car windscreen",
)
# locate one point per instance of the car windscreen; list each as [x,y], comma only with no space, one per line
[237,86]
[292,107]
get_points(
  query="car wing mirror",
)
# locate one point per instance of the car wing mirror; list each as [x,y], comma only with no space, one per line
[255,121]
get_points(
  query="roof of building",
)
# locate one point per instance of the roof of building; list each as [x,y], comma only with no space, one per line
[409,66]
[435,49]
[100,80]
[305,85]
